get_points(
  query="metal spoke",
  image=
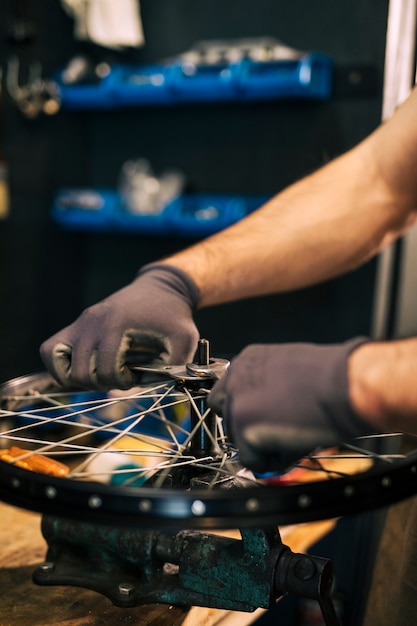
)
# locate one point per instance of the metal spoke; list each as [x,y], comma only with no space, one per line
[153,451]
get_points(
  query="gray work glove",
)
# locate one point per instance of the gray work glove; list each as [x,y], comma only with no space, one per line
[150,320]
[280,402]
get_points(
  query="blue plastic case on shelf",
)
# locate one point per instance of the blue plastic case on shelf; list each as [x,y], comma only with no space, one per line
[205,82]
[309,76]
[98,95]
[143,84]
[189,215]
[86,209]
[192,215]
[199,215]
[147,224]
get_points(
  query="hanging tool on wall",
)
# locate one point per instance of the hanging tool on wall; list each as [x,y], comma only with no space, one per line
[37,96]
[4,189]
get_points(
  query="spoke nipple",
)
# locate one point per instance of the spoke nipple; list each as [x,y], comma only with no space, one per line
[94,502]
[51,492]
[198,507]
[252,504]
[46,567]
[349,491]
[126,589]
[304,501]
[145,505]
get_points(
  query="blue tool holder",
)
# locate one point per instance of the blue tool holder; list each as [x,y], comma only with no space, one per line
[148,224]
[98,95]
[86,209]
[200,215]
[143,84]
[205,82]
[309,76]
[188,215]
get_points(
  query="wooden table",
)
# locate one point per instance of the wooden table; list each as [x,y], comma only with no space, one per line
[23,603]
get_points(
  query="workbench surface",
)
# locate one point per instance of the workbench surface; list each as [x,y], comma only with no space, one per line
[23,603]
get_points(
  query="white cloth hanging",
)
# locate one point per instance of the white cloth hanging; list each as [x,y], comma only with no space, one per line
[109,23]
[399,54]
[399,76]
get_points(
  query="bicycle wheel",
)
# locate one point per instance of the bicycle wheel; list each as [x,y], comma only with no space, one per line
[156,456]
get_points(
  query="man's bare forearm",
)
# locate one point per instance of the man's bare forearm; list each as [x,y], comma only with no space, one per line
[382,384]
[322,226]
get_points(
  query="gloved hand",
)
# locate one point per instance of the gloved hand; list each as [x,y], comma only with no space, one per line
[152,316]
[280,402]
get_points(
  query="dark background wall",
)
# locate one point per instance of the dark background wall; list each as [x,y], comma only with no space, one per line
[48,276]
